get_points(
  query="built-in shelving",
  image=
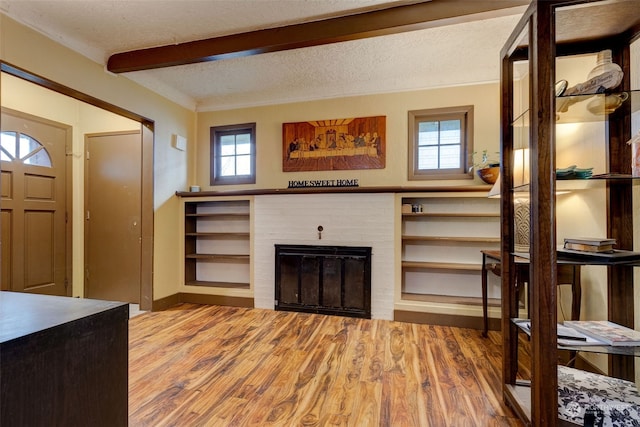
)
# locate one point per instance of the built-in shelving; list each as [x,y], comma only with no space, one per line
[441,265]
[452,239]
[209,283]
[217,243]
[441,245]
[221,235]
[445,299]
[453,214]
[219,257]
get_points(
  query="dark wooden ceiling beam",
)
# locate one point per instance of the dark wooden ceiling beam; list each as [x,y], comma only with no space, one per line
[352,27]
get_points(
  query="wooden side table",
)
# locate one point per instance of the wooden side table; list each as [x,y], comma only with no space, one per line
[568,274]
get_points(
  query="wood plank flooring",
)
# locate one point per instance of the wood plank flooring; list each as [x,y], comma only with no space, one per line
[224,366]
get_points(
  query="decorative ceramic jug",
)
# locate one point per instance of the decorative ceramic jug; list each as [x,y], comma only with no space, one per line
[608,74]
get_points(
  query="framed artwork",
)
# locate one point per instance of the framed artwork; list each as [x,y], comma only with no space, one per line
[338,144]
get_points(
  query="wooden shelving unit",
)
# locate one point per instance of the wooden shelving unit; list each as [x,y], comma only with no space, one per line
[451,239]
[441,265]
[208,283]
[492,302]
[220,235]
[219,257]
[452,214]
[217,243]
[551,29]
[443,242]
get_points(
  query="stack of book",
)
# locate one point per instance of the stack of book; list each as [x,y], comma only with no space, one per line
[595,250]
[589,244]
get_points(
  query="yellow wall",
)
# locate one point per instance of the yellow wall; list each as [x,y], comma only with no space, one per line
[83,118]
[395,107]
[27,49]
[176,170]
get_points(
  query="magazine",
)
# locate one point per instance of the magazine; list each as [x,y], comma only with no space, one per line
[607,332]
[567,337]
[571,337]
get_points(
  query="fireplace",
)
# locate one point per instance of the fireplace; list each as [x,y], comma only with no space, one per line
[332,280]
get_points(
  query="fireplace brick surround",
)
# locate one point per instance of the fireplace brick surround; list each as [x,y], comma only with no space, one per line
[347,220]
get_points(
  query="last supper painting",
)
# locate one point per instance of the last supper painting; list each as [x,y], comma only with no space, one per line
[337,144]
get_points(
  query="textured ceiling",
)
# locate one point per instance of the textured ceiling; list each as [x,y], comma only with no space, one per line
[443,56]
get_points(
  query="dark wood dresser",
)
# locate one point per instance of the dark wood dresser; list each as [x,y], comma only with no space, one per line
[63,361]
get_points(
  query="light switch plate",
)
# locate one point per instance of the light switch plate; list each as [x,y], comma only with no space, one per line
[179,142]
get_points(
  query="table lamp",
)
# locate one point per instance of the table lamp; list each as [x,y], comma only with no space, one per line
[522,218]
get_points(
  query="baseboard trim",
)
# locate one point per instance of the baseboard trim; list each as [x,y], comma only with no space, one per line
[216,300]
[175,299]
[444,319]
[166,302]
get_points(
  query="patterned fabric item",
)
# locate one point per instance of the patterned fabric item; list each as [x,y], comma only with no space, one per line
[588,399]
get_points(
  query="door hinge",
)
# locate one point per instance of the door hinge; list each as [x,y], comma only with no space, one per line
[88,155]
[88,216]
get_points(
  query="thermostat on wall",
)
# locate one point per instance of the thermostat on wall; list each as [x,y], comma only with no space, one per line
[179,142]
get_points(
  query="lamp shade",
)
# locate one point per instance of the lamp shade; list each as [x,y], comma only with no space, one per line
[520,172]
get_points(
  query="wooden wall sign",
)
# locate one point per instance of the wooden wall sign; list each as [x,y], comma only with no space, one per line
[323,183]
[339,144]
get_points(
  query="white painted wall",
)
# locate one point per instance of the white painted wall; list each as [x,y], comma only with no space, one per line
[347,220]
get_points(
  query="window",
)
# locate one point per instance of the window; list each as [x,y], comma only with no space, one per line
[233,154]
[20,147]
[441,143]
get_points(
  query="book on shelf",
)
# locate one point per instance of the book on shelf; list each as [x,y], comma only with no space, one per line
[590,240]
[588,248]
[615,256]
[608,332]
[589,244]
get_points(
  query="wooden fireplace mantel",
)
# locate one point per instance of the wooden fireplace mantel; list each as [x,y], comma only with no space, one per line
[321,190]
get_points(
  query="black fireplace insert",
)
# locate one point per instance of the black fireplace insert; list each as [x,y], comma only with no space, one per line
[333,280]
